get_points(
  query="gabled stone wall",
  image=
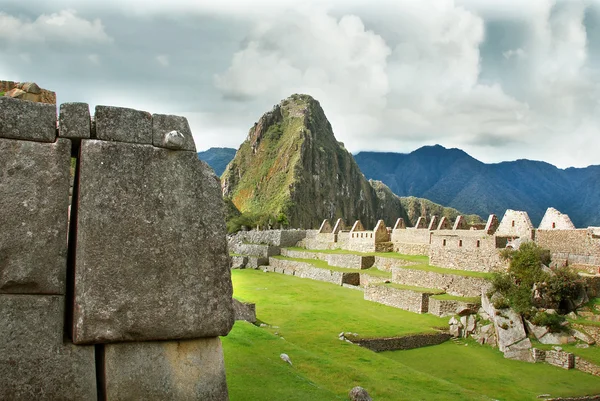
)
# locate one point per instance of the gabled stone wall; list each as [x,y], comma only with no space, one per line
[471,250]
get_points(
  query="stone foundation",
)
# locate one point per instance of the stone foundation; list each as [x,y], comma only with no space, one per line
[412,301]
[402,343]
[447,307]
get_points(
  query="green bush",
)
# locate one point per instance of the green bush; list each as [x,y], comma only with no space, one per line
[552,321]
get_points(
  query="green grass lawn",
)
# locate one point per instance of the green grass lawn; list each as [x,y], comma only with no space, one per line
[308,315]
[484,369]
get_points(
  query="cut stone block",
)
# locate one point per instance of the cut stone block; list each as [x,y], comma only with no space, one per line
[168,370]
[31,121]
[152,259]
[162,127]
[74,121]
[34,202]
[35,364]
[123,125]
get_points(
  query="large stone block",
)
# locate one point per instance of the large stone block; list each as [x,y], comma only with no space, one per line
[34,200]
[123,125]
[162,127]
[152,260]
[166,370]
[35,364]
[21,119]
[74,121]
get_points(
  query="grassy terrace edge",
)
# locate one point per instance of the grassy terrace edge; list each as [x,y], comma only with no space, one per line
[448,297]
[321,264]
[422,265]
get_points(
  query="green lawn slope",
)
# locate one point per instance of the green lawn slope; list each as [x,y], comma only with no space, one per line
[305,318]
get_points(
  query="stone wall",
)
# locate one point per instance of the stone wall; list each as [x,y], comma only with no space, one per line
[281,238]
[469,250]
[410,341]
[386,264]
[555,220]
[244,311]
[306,270]
[263,251]
[587,367]
[573,247]
[515,224]
[109,305]
[409,300]
[462,286]
[448,307]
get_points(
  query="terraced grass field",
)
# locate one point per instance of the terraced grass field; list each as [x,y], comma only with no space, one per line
[304,319]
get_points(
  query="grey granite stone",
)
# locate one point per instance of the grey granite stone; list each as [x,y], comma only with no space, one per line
[35,364]
[167,370]
[152,260]
[123,125]
[74,121]
[21,119]
[162,127]
[34,200]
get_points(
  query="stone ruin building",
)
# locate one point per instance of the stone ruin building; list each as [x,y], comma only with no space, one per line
[459,245]
[128,300]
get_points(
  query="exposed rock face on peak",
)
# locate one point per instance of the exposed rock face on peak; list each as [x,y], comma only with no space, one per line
[291,167]
[291,164]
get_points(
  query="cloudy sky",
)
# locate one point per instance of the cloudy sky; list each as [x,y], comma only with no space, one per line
[500,79]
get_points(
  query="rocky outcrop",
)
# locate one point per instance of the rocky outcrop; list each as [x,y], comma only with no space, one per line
[291,167]
[27,91]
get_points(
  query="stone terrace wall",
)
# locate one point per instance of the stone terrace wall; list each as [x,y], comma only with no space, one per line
[587,367]
[147,245]
[411,341]
[386,264]
[465,250]
[263,251]
[409,300]
[306,270]
[447,307]
[337,260]
[453,284]
[280,238]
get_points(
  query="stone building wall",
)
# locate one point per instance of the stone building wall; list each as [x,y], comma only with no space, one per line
[453,284]
[108,304]
[409,300]
[555,220]
[470,250]
[515,224]
[306,270]
[573,247]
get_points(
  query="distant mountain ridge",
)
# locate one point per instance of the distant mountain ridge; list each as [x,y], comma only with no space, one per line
[292,168]
[217,158]
[453,178]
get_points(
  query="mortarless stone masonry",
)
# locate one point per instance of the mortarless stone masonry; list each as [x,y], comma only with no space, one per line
[146,259]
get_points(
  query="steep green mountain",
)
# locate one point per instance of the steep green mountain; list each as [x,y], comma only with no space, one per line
[217,158]
[453,178]
[291,167]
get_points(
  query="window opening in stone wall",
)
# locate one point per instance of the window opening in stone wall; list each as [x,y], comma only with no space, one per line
[444,243]
[459,242]
[553,225]
[513,223]
[478,243]
[371,235]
